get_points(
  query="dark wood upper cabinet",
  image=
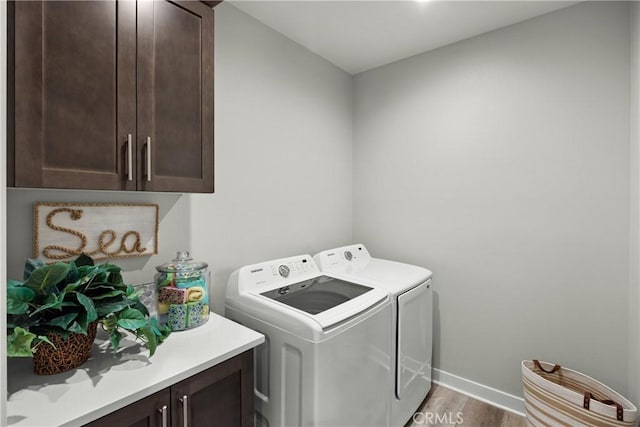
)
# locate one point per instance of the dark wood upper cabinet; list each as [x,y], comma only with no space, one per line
[111,95]
[175,96]
[74,98]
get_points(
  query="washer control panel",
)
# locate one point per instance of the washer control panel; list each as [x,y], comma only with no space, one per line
[277,273]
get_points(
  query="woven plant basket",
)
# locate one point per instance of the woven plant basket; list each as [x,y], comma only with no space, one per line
[555,396]
[68,353]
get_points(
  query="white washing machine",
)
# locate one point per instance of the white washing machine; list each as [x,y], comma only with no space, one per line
[326,358]
[412,320]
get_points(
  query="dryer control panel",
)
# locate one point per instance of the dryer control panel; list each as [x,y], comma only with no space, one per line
[277,273]
[345,259]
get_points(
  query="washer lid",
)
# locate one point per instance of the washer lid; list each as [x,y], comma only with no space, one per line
[318,294]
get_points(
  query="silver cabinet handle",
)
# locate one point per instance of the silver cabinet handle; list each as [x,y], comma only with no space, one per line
[129,158]
[185,410]
[148,159]
[165,421]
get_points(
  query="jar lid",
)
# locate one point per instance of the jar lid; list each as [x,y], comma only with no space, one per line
[182,263]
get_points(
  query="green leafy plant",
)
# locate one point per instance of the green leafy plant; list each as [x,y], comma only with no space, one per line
[64,298]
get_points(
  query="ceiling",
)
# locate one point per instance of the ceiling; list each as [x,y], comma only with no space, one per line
[361,35]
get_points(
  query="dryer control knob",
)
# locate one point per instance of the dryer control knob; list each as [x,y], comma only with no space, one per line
[283,270]
[348,255]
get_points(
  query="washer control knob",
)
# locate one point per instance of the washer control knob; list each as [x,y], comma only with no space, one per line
[348,255]
[283,270]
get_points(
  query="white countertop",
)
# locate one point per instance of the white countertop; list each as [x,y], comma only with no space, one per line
[109,381]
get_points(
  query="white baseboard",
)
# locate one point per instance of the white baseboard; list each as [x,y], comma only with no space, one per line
[479,391]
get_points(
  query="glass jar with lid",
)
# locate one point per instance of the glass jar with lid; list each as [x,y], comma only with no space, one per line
[183,296]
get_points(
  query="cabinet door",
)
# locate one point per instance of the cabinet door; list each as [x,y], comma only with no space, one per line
[220,396]
[74,98]
[175,96]
[146,412]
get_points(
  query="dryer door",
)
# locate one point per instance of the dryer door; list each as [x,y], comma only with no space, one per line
[415,333]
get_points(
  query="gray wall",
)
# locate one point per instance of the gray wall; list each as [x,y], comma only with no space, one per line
[283,152]
[502,163]
[634,225]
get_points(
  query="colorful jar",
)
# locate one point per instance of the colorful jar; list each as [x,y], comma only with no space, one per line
[183,296]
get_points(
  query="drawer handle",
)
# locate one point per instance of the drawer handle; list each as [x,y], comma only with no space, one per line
[148,159]
[185,410]
[163,411]
[129,158]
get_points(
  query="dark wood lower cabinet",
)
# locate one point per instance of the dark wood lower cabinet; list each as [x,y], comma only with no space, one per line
[219,396]
[146,412]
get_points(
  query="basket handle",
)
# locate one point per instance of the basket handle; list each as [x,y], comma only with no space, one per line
[587,399]
[539,366]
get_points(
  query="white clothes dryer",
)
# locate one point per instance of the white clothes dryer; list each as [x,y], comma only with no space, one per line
[412,320]
[327,351]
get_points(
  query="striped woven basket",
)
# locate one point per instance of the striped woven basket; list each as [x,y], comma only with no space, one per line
[556,396]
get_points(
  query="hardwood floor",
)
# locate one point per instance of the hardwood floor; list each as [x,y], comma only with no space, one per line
[445,407]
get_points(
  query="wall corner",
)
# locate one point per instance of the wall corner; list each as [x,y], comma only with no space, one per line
[634,223]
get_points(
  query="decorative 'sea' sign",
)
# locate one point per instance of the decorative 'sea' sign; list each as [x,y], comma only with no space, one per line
[62,231]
